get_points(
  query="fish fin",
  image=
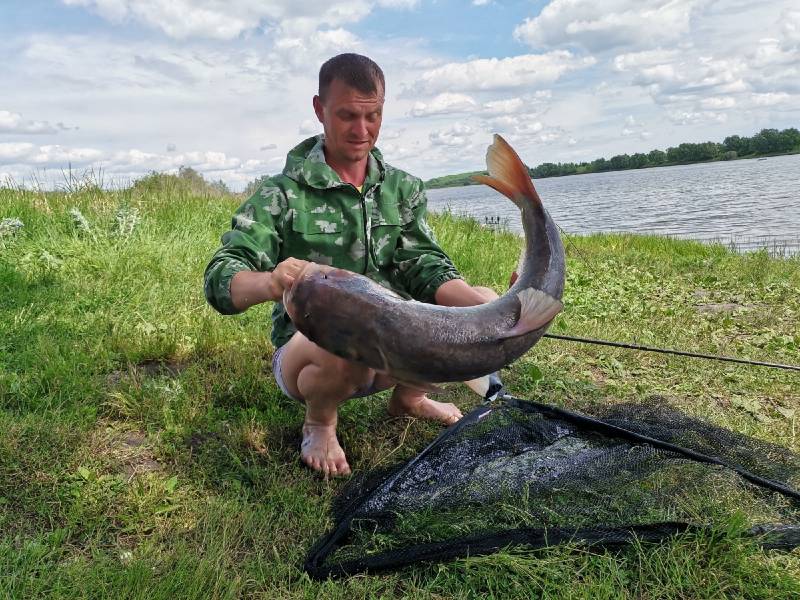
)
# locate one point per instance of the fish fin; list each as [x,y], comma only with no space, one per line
[422,386]
[480,385]
[498,185]
[487,387]
[508,174]
[537,309]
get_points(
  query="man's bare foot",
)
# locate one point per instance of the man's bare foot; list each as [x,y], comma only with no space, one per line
[321,451]
[411,402]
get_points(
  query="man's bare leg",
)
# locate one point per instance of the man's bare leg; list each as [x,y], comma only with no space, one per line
[412,402]
[323,381]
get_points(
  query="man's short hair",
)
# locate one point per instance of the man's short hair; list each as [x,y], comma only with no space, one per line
[354,70]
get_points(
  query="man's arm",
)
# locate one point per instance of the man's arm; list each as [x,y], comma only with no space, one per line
[422,267]
[252,287]
[458,292]
[251,246]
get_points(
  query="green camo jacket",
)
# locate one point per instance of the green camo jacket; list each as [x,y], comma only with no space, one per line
[307,212]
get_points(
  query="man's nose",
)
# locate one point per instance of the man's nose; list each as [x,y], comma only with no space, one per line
[360,128]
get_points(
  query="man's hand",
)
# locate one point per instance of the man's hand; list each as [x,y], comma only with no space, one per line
[254,287]
[282,278]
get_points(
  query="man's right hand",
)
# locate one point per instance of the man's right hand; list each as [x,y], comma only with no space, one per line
[283,276]
[254,287]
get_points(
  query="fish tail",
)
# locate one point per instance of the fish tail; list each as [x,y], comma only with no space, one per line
[508,175]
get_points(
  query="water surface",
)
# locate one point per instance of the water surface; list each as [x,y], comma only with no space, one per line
[742,200]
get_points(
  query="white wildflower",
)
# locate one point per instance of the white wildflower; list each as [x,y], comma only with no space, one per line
[80,222]
[9,227]
[126,221]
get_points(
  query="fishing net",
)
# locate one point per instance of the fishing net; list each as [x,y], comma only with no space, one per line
[517,472]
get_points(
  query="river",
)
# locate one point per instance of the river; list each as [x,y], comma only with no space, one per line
[745,203]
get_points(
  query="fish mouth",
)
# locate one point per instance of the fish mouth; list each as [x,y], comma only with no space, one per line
[307,273]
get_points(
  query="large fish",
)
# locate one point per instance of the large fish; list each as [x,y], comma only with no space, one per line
[355,318]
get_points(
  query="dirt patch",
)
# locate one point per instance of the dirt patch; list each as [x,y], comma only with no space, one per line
[721,307]
[147,368]
[125,452]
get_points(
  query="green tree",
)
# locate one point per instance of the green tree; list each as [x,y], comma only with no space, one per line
[638,160]
[656,157]
[789,139]
[620,161]
[765,141]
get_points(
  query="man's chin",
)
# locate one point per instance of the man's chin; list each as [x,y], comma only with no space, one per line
[358,156]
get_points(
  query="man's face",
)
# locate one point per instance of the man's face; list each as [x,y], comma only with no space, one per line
[351,119]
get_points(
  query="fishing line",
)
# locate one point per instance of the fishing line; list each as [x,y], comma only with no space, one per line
[732,359]
[743,361]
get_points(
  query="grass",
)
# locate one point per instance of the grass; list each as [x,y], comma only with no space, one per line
[145,451]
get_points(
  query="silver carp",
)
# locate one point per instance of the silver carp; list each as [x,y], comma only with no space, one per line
[416,343]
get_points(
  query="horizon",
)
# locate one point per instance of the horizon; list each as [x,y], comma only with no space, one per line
[128,88]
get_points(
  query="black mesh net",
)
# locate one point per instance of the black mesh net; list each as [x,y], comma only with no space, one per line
[520,472]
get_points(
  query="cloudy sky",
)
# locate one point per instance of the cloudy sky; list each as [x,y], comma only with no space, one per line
[225,86]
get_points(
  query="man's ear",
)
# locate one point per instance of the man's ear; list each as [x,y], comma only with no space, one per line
[318,107]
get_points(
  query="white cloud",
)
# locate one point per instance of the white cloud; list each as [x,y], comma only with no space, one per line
[11,153]
[508,106]
[674,77]
[310,127]
[717,103]
[11,122]
[22,158]
[790,27]
[457,135]
[681,117]
[598,26]
[771,99]
[398,3]
[505,73]
[445,103]
[387,133]
[183,19]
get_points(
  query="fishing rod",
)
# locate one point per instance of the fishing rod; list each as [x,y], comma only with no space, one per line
[732,359]
[743,361]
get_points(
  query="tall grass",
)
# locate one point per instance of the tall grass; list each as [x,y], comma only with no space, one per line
[145,451]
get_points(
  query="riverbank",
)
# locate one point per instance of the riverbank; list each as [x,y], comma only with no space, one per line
[145,450]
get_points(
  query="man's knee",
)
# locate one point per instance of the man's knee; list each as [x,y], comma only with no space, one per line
[488,293]
[357,375]
[336,370]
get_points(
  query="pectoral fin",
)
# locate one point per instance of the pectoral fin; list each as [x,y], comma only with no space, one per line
[487,387]
[537,309]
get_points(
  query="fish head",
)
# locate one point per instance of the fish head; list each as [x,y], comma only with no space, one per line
[318,289]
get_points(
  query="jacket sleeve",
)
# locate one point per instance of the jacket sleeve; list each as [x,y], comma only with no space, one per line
[421,265]
[253,244]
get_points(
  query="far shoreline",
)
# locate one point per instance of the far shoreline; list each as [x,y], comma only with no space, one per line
[465,179]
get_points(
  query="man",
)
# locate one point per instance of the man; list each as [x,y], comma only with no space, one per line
[336,203]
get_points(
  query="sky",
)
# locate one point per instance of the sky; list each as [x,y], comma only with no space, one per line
[126,87]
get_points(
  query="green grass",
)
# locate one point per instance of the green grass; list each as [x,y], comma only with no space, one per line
[145,451]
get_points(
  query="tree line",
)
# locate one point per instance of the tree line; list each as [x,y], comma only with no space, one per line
[766,141]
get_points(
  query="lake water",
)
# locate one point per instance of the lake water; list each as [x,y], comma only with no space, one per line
[747,202]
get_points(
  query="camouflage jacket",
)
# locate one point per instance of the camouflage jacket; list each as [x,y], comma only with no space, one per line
[307,212]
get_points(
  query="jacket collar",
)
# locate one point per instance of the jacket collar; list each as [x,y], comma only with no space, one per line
[306,164]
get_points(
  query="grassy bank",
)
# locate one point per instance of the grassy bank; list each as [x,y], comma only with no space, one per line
[145,451]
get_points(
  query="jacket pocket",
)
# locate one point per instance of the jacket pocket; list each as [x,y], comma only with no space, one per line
[384,234]
[317,237]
